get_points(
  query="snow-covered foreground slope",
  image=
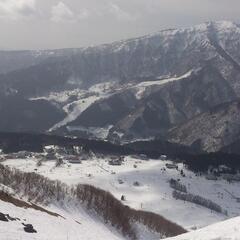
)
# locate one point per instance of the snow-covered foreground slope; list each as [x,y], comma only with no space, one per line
[226,230]
[72,224]
[153,193]
[82,204]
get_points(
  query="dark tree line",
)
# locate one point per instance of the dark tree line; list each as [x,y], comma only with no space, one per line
[202,162]
[177,185]
[199,201]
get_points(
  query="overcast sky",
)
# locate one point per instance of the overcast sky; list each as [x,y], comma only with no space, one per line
[44,24]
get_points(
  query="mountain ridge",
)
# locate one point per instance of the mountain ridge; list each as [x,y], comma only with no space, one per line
[122,82]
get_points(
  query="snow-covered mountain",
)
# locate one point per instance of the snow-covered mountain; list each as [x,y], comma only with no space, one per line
[131,89]
[167,53]
[225,230]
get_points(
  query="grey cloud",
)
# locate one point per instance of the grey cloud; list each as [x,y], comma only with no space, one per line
[15,9]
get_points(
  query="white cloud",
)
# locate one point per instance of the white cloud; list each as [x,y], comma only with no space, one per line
[83,14]
[119,13]
[15,9]
[61,12]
